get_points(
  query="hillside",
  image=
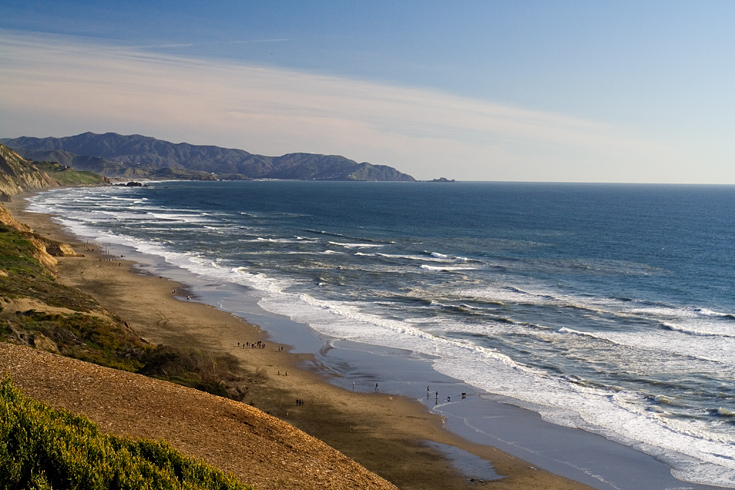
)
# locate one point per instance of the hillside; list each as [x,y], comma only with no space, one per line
[258,449]
[115,155]
[50,457]
[18,175]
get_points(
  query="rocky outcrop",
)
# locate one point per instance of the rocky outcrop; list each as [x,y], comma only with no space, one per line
[41,342]
[7,219]
[57,249]
[42,254]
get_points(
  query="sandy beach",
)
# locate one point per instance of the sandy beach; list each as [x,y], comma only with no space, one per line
[388,435]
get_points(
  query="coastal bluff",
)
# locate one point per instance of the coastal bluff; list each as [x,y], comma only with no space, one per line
[18,175]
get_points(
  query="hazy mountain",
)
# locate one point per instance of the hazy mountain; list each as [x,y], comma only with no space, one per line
[115,155]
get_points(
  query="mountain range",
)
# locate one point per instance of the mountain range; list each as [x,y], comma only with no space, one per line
[136,156]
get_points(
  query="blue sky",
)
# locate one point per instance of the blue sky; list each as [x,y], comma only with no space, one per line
[549,90]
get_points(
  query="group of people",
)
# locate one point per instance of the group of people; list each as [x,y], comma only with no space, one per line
[253,345]
[256,345]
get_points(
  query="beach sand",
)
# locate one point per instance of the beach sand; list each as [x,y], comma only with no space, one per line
[388,435]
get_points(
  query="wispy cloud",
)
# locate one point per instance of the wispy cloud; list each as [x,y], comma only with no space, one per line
[261,41]
[205,43]
[59,86]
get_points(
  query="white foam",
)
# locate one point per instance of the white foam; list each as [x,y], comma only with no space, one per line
[447,268]
[271,240]
[708,348]
[356,245]
[451,258]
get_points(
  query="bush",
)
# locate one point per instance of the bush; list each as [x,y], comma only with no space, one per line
[191,367]
[43,448]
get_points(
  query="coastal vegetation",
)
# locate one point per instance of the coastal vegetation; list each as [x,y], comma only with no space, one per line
[67,176]
[43,448]
[36,310]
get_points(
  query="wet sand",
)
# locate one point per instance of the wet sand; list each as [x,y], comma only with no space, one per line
[392,436]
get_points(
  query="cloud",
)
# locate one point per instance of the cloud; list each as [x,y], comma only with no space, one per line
[208,43]
[60,86]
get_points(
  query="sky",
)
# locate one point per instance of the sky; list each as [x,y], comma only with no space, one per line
[543,91]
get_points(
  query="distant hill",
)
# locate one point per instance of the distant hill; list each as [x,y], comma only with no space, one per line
[136,156]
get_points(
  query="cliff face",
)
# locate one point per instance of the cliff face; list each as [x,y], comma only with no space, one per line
[18,175]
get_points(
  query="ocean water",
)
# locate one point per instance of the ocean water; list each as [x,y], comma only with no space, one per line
[608,308]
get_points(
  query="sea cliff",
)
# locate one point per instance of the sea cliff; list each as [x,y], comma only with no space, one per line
[18,175]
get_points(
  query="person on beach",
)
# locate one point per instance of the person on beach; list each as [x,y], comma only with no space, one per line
[376,387]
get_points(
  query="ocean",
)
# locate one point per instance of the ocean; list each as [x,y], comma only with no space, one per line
[608,308]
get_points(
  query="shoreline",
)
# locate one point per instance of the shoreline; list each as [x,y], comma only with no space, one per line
[394,436]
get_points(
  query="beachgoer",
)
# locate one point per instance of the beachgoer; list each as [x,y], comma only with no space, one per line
[376,387]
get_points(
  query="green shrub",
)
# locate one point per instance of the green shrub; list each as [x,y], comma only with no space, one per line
[191,367]
[43,448]
[86,337]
